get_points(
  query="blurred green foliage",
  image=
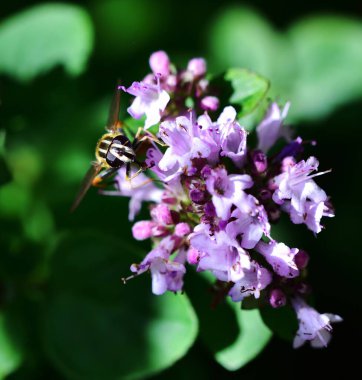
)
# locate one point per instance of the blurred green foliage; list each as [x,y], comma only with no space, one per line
[64,312]
[34,41]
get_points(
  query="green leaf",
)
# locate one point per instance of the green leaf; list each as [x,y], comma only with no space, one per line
[5,174]
[249,89]
[15,200]
[240,37]
[234,336]
[316,64]
[253,336]
[44,36]
[95,327]
[210,316]
[328,55]
[282,321]
[10,356]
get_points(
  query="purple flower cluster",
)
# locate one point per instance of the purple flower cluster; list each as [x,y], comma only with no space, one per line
[167,92]
[219,196]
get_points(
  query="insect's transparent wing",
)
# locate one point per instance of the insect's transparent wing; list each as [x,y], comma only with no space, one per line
[113,116]
[86,184]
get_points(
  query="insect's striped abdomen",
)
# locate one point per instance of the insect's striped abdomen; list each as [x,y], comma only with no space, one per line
[120,152]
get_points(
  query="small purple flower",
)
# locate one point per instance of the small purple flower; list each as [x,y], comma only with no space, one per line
[271,128]
[311,215]
[160,63]
[226,190]
[232,137]
[150,100]
[219,254]
[140,189]
[313,327]
[296,184]
[280,257]
[164,272]
[254,280]
[185,143]
[251,222]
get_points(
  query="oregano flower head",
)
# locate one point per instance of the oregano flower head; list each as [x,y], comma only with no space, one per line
[219,191]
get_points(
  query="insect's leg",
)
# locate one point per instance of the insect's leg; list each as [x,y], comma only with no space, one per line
[129,176]
[149,137]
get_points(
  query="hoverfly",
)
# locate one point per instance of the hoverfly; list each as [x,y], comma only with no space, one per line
[113,150]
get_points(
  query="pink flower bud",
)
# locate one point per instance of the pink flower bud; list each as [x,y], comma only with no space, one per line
[287,163]
[182,229]
[142,230]
[301,259]
[209,103]
[193,256]
[277,298]
[171,82]
[160,231]
[162,215]
[160,63]
[259,160]
[197,66]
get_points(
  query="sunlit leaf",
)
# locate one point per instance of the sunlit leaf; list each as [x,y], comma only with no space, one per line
[95,327]
[316,64]
[10,356]
[211,314]
[234,336]
[328,57]
[249,89]
[39,38]
[253,336]
[240,37]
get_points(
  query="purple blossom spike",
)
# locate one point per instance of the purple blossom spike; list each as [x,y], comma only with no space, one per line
[215,196]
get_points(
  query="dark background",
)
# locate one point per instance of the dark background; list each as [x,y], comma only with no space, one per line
[53,121]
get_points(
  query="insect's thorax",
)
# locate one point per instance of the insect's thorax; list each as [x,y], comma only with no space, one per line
[113,150]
